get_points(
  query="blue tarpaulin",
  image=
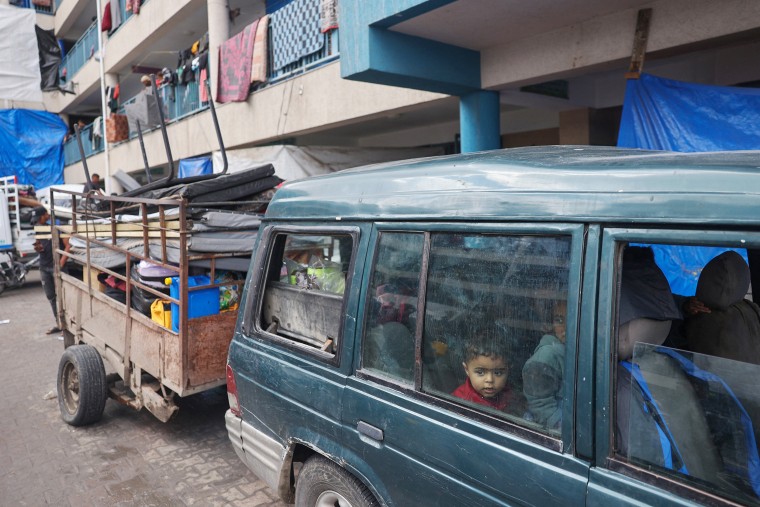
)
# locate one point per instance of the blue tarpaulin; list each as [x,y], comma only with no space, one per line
[195,167]
[31,146]
[663,114]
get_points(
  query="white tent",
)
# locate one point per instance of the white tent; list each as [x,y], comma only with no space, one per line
[19,57]
[296,162]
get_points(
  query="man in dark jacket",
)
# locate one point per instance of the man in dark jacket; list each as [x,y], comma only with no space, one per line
[47,263]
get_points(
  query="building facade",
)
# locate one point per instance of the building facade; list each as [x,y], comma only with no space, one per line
[455,75]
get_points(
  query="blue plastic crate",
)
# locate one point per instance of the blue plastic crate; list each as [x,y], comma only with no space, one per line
[200,302]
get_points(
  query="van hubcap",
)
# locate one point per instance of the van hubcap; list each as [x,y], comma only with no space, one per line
[332,499]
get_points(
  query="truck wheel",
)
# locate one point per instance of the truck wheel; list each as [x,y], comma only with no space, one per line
[2,287]
[82,387]
[322,483]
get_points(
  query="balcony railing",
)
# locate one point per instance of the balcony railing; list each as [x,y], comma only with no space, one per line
[183,100]
[91,146]
[27,4]
[329,52]
[83,50]
[87,45]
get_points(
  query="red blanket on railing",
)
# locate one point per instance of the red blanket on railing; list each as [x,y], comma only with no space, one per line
[235,57]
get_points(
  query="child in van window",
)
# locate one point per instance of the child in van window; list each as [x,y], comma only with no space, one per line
[544,372]
[486,368]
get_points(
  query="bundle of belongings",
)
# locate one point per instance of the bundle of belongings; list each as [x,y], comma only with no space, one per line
[222,218]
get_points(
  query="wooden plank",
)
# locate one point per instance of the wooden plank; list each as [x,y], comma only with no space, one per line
[640,39]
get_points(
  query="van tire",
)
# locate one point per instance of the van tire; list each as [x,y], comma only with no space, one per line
[321,483]
[82,387]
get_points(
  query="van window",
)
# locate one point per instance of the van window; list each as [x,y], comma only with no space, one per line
[303,295]
[686,400]
[495,310]
[391,318]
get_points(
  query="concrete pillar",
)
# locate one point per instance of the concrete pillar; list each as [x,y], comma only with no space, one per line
[479,121]
[218,32]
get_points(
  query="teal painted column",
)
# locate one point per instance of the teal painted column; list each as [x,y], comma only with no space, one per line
[479,121]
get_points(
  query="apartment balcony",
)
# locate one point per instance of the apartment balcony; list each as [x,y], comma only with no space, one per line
[184,100]
[87,46]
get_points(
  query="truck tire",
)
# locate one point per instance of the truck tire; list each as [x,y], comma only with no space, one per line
[322,483]
[82,386]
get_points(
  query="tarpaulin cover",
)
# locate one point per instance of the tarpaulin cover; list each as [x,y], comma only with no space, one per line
[50,58]
[195,167]
[19,56]
[31,146]
[663,114]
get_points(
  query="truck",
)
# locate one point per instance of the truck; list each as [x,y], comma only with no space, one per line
[176,350]
[147,301]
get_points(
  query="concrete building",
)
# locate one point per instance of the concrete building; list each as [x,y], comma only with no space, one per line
[454,75]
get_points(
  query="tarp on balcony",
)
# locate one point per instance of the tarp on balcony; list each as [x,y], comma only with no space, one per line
[663,114]
[31,146]
[19,56]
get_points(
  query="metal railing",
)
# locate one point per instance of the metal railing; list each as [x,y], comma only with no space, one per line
[91,144]
[42,9]
[87,45]
[83,50]
[329,52]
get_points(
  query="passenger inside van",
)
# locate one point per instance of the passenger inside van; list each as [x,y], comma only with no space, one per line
[544,372]
[670,411]
[486,367]
[731,327]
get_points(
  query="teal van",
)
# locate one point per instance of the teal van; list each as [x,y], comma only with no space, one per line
[536,326]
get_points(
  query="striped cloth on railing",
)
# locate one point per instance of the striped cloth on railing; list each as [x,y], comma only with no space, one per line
[295,32]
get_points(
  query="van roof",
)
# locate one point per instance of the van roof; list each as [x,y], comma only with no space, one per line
[567,183]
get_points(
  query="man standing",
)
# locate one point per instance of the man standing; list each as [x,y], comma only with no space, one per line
[47,263]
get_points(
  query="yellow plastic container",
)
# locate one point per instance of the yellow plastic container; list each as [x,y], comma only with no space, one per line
[161,313]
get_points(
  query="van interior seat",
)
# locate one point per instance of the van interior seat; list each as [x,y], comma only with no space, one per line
[732,328]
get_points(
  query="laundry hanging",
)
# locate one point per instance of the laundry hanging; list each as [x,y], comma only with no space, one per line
[259,63]
[328,15]
[295,32]
[235,57]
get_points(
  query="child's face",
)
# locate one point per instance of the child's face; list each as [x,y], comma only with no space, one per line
[488,375]
[559,318]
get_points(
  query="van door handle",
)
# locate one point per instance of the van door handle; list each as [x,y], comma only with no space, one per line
[370,431]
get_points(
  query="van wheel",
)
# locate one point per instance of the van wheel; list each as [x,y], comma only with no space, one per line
[82,387]
[322,483]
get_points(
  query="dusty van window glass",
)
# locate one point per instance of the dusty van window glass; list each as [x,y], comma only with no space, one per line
[687,402]
[391,317]
[495,324]
[306,279]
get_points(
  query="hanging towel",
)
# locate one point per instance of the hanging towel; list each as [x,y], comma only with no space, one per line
[105,23]
[235,56]
[328,15]
[96,132]
[295,32]
[259,62]
[115,17]
[202,84]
